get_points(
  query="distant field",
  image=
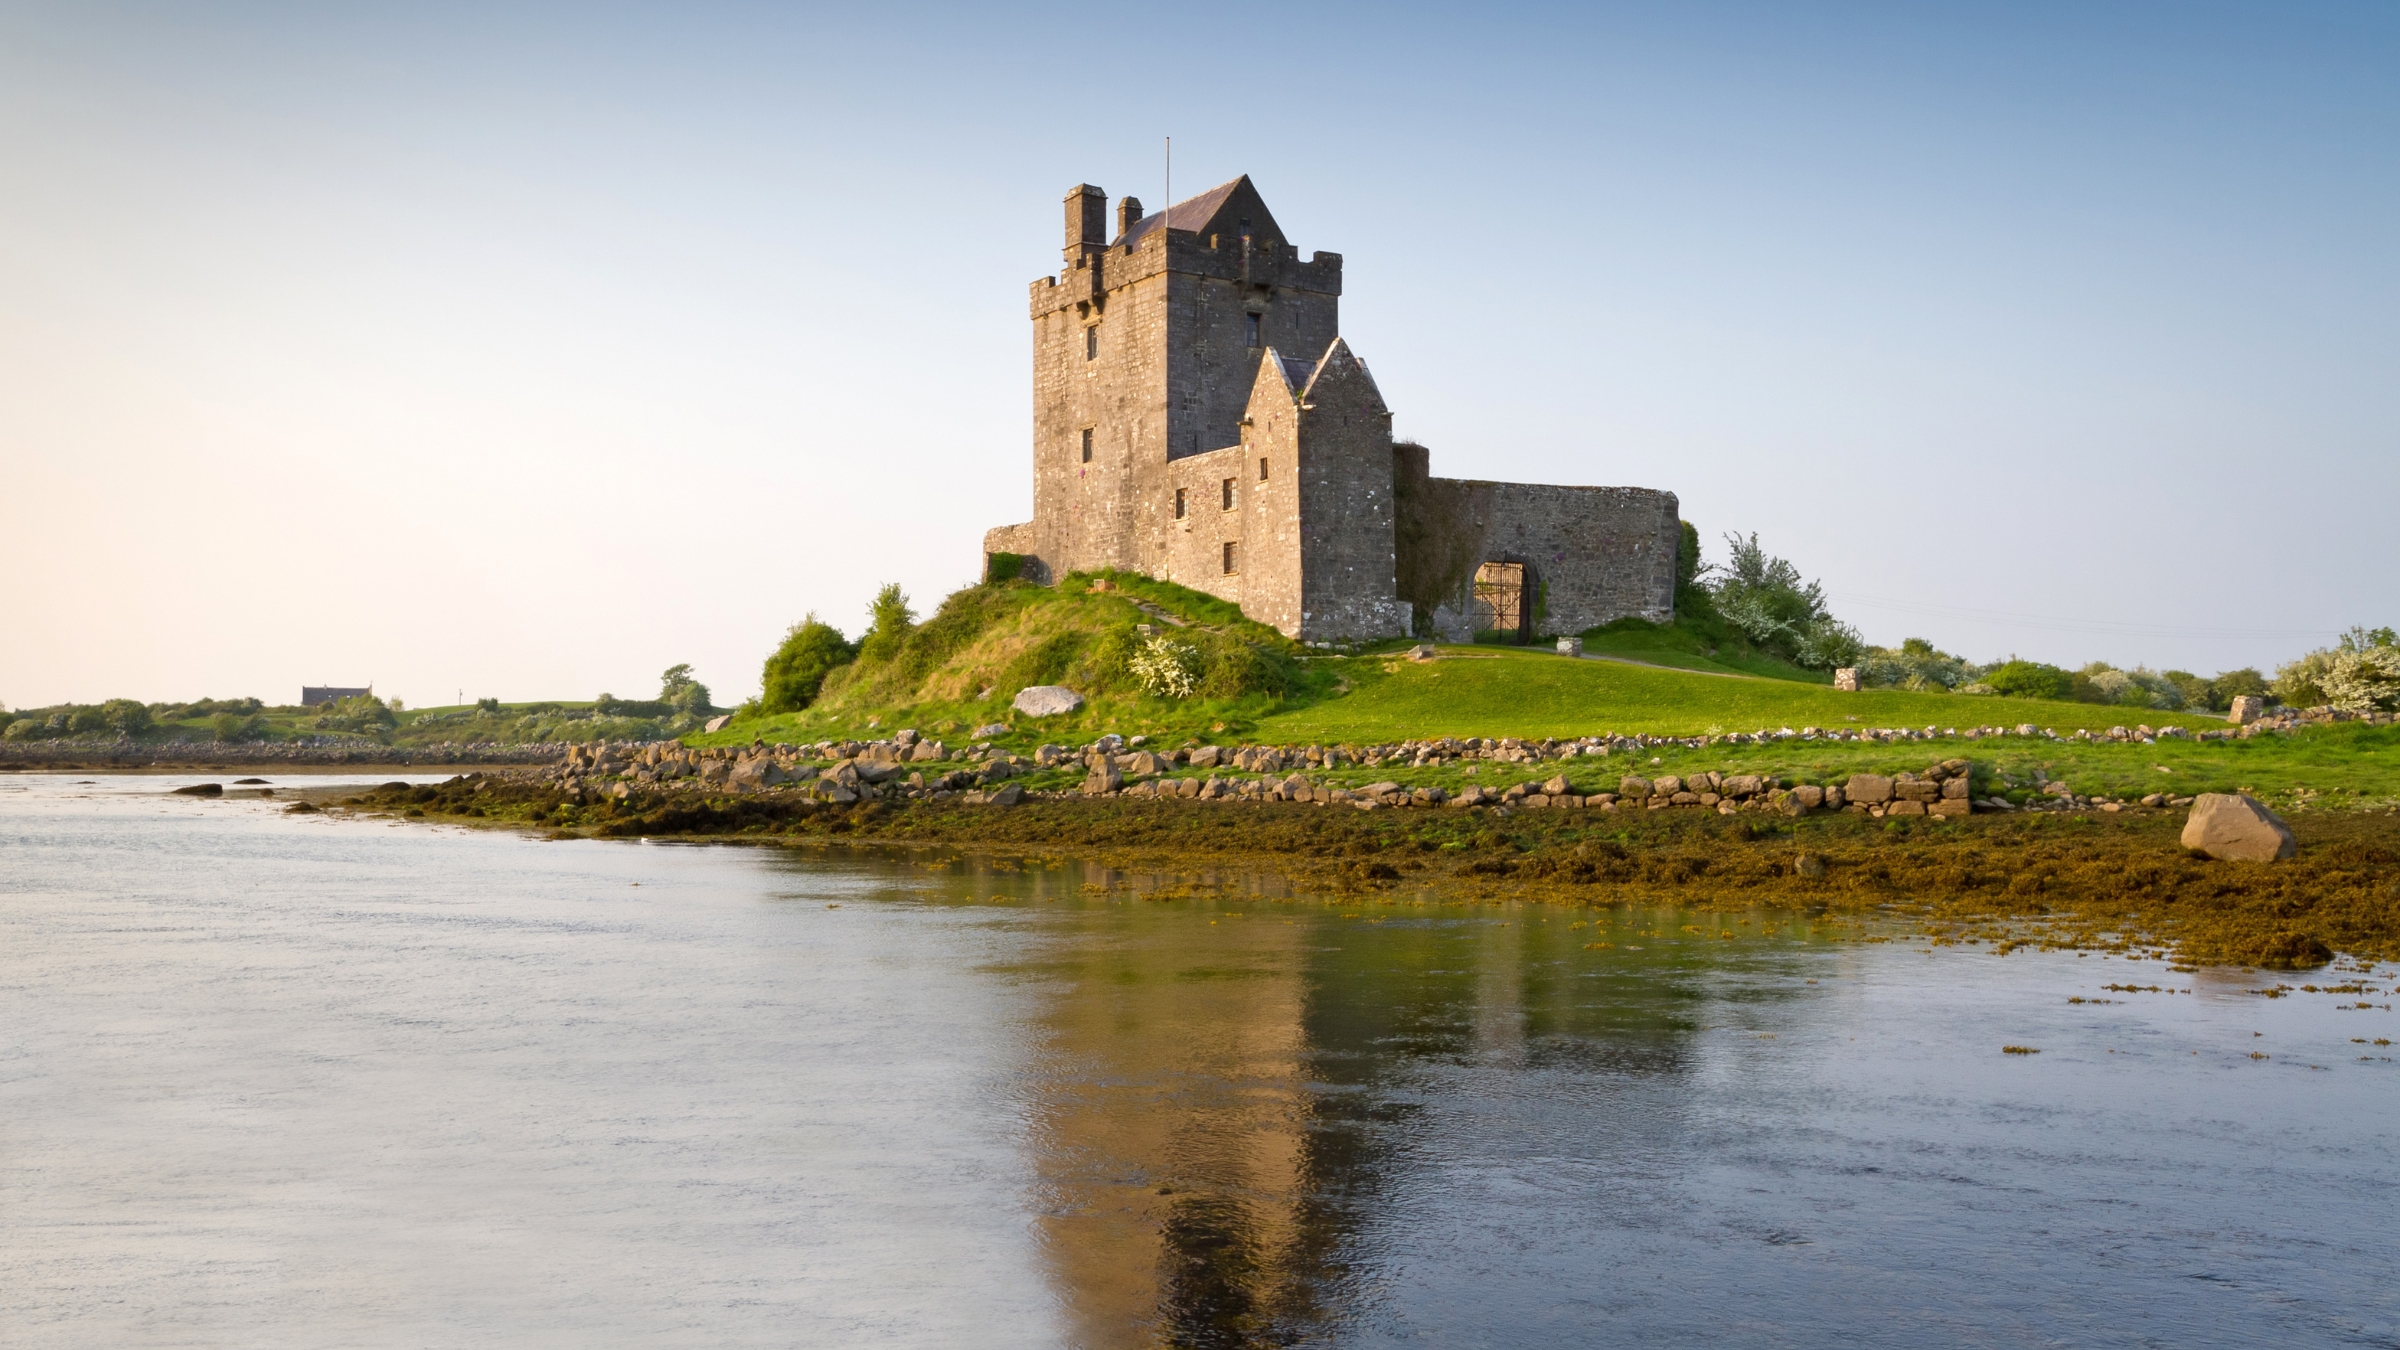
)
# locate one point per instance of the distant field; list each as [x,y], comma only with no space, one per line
[1499,691]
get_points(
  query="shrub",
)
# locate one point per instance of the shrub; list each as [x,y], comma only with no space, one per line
[2030,679]
[230,726]
[487,705]
[2364,675]
[1046,662]
[889,622]
[1166,668]
[2233,684]
[1002,567]
[796,672]
[1764,599]
[87,719]
[22,729]
[1239,669]
[1915,664]
[2301,683]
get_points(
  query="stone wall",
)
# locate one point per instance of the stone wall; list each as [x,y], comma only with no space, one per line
[1596,554]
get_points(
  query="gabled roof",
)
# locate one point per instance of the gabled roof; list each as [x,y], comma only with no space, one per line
[1220,210]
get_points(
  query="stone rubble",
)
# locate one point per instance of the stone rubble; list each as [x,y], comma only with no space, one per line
[1556,774]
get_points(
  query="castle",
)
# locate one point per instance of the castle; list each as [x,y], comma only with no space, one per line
[1198,418]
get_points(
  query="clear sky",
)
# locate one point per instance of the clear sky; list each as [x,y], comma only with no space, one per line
[525,350]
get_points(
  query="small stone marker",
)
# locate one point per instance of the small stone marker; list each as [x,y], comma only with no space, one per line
[2234,828]
[1846,679]
[1047,700]
[1570,646]
[2247,708]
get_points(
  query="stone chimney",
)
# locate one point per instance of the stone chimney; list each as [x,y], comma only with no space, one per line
[1129,214]
[1087,220]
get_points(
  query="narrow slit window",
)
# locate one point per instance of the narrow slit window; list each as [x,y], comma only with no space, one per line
[1228,489]
[1091,343]
[1182,508]
[1252,329]
[1087,445]
[1229,558]
[1262,469]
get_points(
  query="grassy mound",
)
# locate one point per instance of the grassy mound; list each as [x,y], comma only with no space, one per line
[962,667]
[1686,646]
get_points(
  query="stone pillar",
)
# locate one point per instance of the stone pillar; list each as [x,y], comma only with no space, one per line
[1846,679]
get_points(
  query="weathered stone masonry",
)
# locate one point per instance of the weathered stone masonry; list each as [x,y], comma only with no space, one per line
[1198,418]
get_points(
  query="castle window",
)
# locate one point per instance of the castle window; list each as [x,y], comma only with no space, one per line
[1228,494]
[1181,507]
[1229,558]
[1087,445]
[1091,343]
[1262,469]
[1252,330]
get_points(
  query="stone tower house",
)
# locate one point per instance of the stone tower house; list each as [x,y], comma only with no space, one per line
[1198,418]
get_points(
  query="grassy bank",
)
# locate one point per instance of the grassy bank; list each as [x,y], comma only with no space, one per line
[2117,883]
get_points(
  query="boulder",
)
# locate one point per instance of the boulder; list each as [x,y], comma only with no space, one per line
[1867,789]
[1557,787]
[1007,794]
[716,724]
[2247,708]
[1631,788]
[1809,796]
[1101,781]
[1951,807]
[1668,786]
[2234,827]
[844,774]
[1208,757]
[926,750]
[990,729]
[1047,700]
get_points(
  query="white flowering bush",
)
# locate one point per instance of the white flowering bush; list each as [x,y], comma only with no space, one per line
[2367,680]
[1166,668]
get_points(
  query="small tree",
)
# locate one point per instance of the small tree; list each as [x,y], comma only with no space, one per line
[890,620]
[677,687]
[796,671]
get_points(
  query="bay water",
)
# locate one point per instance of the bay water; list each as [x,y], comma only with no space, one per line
[290,1080]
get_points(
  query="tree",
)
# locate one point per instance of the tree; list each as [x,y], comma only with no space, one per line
[676,686]
[125,717]
[890,622]
[1765,600]
[796,671]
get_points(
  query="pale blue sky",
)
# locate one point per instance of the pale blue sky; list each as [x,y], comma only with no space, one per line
[526,350]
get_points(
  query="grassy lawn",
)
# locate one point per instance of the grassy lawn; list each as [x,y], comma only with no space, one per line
[1672,646]
[1499,691]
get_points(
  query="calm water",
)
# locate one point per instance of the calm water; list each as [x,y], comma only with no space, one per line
[290,1081]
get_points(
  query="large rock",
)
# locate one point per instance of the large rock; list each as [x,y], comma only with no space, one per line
[1047,700]
[1867,789]
[1633,788]
[2247,708]
[2233,827]
[716,724]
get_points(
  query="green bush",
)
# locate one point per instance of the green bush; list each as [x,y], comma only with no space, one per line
[890,621]
[2233,684]
[1002,567]
[2030,679]
[22,729]
[796,672]
[125,717]
[1046,662]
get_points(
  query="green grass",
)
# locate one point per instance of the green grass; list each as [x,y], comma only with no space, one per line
[1676,645]
[1498,691]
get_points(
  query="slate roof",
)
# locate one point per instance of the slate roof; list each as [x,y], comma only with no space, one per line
[1192,213]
